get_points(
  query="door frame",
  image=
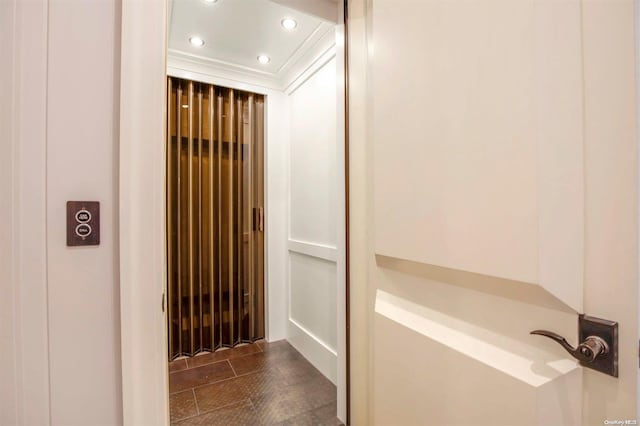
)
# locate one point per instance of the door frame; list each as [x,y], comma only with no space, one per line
[143,323]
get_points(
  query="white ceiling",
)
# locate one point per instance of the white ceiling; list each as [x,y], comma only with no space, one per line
[237,31]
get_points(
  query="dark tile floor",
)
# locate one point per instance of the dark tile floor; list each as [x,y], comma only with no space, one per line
[258,384]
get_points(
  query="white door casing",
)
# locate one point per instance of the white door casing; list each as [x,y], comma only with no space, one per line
[501,149]
[145,380]
[144,370]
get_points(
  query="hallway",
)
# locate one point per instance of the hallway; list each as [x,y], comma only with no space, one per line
[264,383]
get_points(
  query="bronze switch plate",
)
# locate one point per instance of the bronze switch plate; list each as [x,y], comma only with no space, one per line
[83,223]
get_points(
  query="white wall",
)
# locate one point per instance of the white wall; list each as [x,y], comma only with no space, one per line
[313,218]
[82,152]
[25,375]
[8,374]
[59,305]
[276,214]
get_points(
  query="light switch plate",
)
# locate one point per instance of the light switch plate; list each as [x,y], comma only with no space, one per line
[83,223]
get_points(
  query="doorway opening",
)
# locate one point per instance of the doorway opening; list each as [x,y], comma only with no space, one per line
[255,213]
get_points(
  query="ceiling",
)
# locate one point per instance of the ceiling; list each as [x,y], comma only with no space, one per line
[235,32]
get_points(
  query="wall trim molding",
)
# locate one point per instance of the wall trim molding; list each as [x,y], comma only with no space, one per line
[323,357]
[317,250]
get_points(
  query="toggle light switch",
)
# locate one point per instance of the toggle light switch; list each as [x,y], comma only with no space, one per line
[83,223]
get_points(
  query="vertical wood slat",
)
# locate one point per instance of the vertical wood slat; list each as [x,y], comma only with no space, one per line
[220,211]
[239,230]
[251,254]
[230,116]
[169,209]
[199,237]
[258,157]
[212,244]
[190,219]
[178,212]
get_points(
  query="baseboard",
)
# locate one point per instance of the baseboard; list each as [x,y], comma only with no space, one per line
[314,350]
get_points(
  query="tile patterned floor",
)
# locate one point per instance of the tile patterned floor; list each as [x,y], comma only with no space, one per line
[259,384]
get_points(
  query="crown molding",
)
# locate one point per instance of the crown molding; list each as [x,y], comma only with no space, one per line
[315,49]
[187,62]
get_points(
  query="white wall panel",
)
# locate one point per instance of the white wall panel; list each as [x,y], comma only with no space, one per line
[8,285]
[82,164]
[277,143]
[313,279]
[25,366]
[313,296]
[312,162]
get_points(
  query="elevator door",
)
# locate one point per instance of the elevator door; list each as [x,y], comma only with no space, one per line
[215,217]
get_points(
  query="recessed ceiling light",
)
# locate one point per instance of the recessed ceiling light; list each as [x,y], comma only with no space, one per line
[289,24]
[210,1]
[185,106]
[264,59]
[196,41]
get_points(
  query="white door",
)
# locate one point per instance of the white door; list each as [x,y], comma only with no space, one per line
[503,156]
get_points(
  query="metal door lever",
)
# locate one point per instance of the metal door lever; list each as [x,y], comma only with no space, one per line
[598,349]
[587,351]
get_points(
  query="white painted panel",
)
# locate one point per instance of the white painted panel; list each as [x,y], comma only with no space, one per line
[560,143]
[525,363]
[312,162]
[314,239]
[455,171]
[277,144]
[9,357]
[463,339]
[440,385]
[312,296]
[24,283]
[611,213]
[478,138]
[448,385]
[82,164]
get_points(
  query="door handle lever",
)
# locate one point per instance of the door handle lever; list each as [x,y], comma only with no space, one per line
[598,349]
[587,352]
